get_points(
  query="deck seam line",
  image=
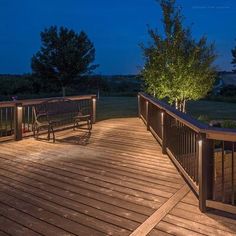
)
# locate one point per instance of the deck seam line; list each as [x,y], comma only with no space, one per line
[160,213]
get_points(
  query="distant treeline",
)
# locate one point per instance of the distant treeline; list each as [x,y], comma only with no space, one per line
[28,86]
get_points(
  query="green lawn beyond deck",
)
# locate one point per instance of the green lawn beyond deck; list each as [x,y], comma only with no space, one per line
[117,107]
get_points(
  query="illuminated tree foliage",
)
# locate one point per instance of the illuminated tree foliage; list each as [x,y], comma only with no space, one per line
[177,67]
[64,55]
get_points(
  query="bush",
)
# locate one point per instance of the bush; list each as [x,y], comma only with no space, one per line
[203,118]
[229,124]
[228,91]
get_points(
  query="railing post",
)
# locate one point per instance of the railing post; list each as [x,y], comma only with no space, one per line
[139,110]
[94,108]
[163,131]
[147,114]
[18,113]
[205,155]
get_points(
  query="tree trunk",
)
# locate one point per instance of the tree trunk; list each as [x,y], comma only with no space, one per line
[63,91]
[154,92]
[180,105]
[184,106]
[176,104]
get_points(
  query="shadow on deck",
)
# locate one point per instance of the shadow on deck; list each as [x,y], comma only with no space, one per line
[116,182]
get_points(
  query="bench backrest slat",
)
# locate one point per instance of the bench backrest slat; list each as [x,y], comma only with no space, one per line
[56,107]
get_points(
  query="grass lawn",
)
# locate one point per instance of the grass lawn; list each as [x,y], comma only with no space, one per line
[118,107]
[212,110]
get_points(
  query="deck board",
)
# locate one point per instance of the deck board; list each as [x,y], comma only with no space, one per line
[186,217]
[111,186]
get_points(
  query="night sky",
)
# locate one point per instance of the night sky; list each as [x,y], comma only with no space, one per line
[116,27]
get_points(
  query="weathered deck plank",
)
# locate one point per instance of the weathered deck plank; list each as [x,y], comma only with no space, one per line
[186,219]
[109,187]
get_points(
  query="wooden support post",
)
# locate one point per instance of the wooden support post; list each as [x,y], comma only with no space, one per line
[139,110]
[18,113]
[205,155]
[94,109]
[147,115]
[163,131]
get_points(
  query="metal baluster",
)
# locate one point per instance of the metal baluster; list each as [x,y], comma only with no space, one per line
[182,143]
[223,172]
[184,147]
[196,159]
[32,118]
[187,150]
[11,120]
[190,151]
[232,180]
[214,170]
[1,132]
[193,159]
[23,118]
[28,118]
[6,121]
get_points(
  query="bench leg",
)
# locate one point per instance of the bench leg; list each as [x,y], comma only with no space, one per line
[37,133]
[49,133]
[33,127]
[89,123]
[53,135]
[75,125]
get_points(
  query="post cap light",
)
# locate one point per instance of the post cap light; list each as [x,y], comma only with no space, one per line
[19,106]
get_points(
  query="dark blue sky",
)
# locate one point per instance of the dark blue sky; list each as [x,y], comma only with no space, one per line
[115,26]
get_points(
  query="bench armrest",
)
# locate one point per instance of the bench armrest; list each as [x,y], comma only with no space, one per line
[41,115]
[83,110]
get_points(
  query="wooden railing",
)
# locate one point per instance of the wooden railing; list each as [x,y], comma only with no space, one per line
[16,117]
[205,155]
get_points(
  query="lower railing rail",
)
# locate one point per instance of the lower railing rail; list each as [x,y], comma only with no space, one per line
[204,155]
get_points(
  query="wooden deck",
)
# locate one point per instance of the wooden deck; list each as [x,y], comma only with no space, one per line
[118,184]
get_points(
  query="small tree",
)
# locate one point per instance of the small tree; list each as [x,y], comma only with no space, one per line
[233,51]
[64,55]
[176,66]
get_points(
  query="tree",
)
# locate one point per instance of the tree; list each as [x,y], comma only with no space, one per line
[233,51]
[64,55]
[177,67]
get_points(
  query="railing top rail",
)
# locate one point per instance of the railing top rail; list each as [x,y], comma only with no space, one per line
[197,126]
[28,102]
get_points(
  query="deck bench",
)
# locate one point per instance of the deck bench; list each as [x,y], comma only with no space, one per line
[59,112]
